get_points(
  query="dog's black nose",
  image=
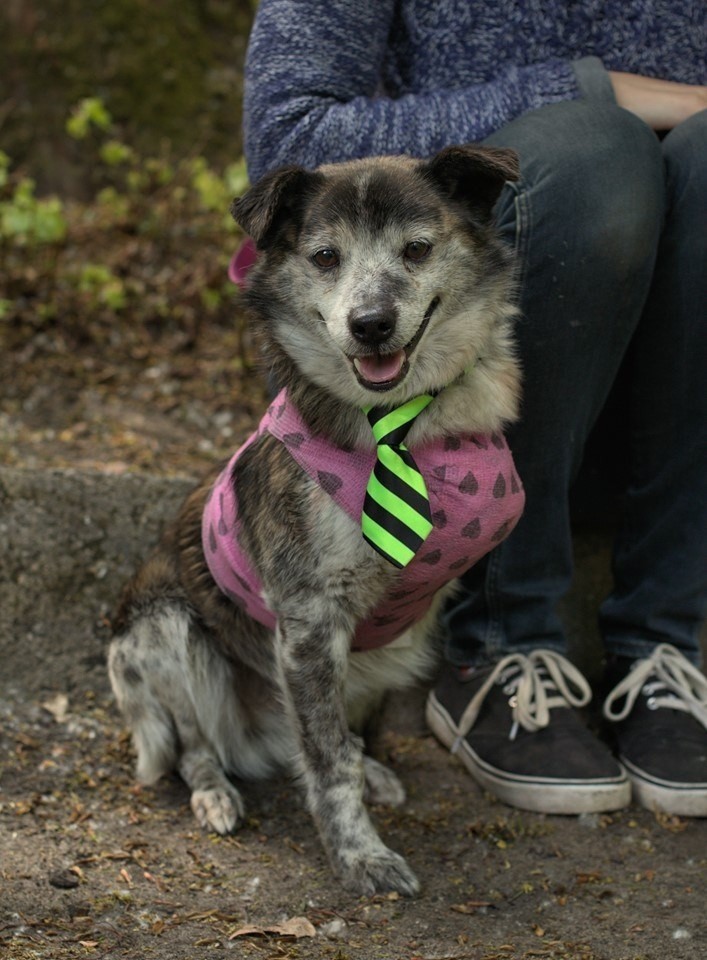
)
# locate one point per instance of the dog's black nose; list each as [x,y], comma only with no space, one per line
[373,326]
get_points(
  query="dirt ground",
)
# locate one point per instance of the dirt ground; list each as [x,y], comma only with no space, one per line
[94,866]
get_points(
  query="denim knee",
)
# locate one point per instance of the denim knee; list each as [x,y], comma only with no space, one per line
[592,182]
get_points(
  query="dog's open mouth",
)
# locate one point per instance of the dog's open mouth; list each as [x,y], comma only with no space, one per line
[383,371]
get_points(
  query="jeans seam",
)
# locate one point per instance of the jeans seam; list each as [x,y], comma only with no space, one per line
[523,218]
[493,640]
[494,634]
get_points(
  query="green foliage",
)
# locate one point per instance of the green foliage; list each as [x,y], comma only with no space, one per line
[236,178]
[4,168]
[137,177]
[152,247]
[210,188]
[146,191]
[113,204]
[89,112]
[211,299]
[27,220]
[115,153]
[102,286]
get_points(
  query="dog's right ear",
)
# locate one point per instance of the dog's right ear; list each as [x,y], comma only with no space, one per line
[274,205]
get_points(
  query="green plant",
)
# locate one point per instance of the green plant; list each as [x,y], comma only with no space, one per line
[89,112]
[27,220]
[132,176]
[4,168]
[115,153]
[142,261]
[102,285]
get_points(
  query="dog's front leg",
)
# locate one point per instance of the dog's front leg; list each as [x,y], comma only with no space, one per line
[313,663]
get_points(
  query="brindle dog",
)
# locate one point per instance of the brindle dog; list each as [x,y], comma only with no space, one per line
[376,281]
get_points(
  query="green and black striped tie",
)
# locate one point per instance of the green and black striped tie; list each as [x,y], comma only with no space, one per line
[396,517]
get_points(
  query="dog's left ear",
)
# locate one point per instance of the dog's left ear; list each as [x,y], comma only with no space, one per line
[473,175]
[273,206]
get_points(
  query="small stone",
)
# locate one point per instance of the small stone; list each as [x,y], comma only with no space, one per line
[336,929]
[64,880]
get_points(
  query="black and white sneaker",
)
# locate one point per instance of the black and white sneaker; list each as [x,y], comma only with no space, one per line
[658,709]
[513,727]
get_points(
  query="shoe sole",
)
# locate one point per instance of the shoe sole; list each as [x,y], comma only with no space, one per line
[675,799]
[537,794]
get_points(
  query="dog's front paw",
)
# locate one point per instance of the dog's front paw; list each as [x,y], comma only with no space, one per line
[382,786]
[218,809]
[382,872]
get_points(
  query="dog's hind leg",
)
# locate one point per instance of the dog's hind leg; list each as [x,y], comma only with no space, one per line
[365,718]
[381,784]
[215,801]
[135,662]
[164,681]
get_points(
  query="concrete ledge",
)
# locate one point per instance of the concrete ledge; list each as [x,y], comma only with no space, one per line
[69,540]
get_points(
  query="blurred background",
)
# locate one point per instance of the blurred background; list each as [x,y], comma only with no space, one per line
[120,152]
[169,73]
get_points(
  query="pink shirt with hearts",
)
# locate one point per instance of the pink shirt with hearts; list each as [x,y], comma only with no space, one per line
[475,496]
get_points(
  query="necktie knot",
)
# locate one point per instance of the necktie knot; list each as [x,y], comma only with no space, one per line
[396,518]
[392,426]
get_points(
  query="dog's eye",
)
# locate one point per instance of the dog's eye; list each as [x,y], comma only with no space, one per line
[417,250]
[326,258]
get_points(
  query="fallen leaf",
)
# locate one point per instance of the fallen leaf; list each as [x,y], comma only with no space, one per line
[156,880]
[294,846]
[670,822]
[471,906]
[295,927]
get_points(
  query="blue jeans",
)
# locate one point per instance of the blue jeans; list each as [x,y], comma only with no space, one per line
[610,224]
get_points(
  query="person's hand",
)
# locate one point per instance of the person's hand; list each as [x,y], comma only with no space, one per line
[662,104]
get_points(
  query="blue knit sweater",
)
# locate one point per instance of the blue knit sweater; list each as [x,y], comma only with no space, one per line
[350,78]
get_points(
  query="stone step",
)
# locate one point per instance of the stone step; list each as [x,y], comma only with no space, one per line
[70,539]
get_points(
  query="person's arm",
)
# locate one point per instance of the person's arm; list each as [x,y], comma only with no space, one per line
[312,85]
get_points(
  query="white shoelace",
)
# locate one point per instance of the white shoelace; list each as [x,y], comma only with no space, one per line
[668,679]
[538,682]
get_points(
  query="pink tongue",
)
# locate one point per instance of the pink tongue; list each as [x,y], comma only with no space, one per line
[377,369]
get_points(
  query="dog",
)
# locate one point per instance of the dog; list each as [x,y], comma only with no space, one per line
[376,281]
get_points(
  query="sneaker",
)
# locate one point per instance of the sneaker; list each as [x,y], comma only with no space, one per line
[658,708]
[513,727]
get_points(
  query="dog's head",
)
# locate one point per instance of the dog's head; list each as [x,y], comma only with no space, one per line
[380,279]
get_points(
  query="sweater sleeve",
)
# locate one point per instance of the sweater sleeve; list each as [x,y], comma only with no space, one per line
[312,90]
